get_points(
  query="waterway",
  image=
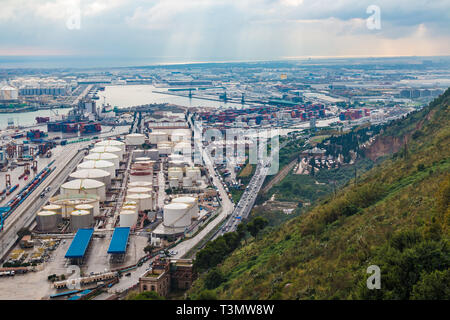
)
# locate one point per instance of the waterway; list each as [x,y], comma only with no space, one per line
[29,118]
[124,96]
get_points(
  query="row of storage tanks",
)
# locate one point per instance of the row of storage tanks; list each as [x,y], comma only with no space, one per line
[80,197]
[180,212]
[176,175]
[140,197]
[80,209]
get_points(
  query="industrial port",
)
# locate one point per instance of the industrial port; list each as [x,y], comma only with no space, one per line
[112,197]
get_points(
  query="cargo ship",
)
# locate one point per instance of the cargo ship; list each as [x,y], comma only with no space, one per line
[42,119]
[73,127]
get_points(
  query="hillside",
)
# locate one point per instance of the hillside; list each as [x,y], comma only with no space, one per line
[396,216]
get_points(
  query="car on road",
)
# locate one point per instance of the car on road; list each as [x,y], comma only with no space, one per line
[128,274]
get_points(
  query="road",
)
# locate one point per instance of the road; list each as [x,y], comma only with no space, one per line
[183,247]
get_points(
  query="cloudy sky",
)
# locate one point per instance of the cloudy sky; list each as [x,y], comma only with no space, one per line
[222,30]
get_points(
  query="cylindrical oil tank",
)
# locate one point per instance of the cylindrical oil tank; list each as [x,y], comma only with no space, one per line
[187,182]
[127,218]
[134,139]
[47,221]
[114,158]
[86,207]
[138,159]
[130,208]
[164,149]
[99,164]
[193,173]
[183,148]
[80,219]
[157,136]
[144,201]
[175,173]
[192,202]
[138,176]
[69,202]
[138,190]
[84,186]
[176,163]
[174,182]
[176,215]
[130,203]
[114,150]
[111,143]
[94,174]
[180,135]
[147,184]
[53,207]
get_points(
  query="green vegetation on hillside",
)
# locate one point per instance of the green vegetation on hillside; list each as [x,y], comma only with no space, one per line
[396,216]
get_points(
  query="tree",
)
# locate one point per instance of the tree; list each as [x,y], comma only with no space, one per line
[214,278]
[433,286]
[206,295]
[256,225]
[146,295]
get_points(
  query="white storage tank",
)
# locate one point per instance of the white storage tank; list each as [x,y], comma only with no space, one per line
[158,136]
[176,215]
[193,173]
[95,174]
[114,158]
[144,201]
[114,150]
[180,135]
[69,202]
[47,221]
[183,148]
[147,184]
[84,186]
[175,173]
[53,207]
[134,139]
[80,219]
[130,208]
[85,207]
[127,218]
[144,190]
[176,163]
[174,182]
[130,203]
[99,164]
[192,202]
[111,143]
[164,150]
[187,182]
